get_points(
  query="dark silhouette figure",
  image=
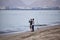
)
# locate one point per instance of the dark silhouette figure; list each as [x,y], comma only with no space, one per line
[33,24]
[31,21]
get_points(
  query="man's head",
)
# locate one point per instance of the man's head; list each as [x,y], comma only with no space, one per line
[33,19]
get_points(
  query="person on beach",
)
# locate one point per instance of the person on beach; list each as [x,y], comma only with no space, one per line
[33,24]
[31,21]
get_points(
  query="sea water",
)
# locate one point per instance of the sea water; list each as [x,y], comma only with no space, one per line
[18,20]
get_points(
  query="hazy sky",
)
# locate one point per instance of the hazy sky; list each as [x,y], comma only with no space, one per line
[27,3]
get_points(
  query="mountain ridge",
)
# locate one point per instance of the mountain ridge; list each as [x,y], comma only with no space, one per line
[37,3]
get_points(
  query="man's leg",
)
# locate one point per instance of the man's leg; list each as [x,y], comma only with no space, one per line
[32,28]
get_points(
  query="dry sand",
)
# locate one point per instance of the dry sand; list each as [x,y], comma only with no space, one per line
[47,33]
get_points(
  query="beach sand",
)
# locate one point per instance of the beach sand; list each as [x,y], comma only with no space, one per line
[46,33]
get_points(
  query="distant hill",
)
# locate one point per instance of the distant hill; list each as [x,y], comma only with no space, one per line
[29,3]
[34,8]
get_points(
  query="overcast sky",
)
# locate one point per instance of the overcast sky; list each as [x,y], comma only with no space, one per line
[26,3]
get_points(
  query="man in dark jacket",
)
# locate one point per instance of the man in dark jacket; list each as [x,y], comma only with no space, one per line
[31,21]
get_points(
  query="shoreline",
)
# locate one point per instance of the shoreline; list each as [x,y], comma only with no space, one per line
[52,32]
[29,33]
[43,27]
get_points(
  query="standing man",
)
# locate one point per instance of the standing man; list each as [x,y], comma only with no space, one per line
[31,21]
[33,25]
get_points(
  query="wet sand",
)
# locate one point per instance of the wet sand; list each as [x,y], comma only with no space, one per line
[46,33]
